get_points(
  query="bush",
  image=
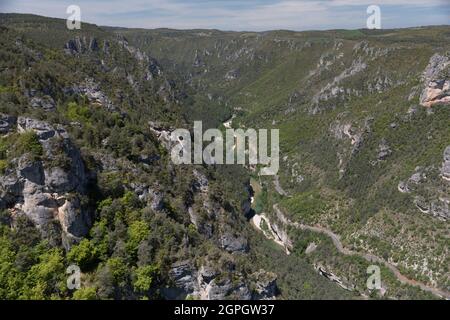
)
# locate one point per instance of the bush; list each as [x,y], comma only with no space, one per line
[110,184]
[88,293]
[78,113]
[118,269]
[3,165]
[144,278]
[28,142]
[84,254]
[137,232]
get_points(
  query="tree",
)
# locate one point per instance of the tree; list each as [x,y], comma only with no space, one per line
[87,293]
[84,254]
[144,277]
[137,232]
[46,277]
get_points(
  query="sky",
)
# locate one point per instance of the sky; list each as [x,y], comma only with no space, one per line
[241,15]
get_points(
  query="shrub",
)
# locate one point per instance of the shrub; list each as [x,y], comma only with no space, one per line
[88,293]
[28,142]
[137,232]
[3,166]
[78,113]
[83,254]
[144,278]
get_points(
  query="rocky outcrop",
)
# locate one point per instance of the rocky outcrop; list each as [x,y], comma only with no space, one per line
[156,199]
[232,74]
[46,190]
[438,208]
[45,103]
[92,91]
[200,182]
[419,176]
[150,65]
[265,285]
[151,195]
[446,165]
[430,194]
[436,79]
[272,231]
[162,133]
[384,150]
[232,243]
[80,45]
[7,123]
[208,283]
[441,208]
[223,289]
[352,135]
[198,62]
[332,277]
[333,89]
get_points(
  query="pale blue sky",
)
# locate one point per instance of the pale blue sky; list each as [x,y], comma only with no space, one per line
[248,15]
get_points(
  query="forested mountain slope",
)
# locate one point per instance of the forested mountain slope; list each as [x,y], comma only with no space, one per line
[86,176]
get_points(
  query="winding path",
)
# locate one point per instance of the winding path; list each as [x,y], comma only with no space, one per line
[369,257]
[278,187]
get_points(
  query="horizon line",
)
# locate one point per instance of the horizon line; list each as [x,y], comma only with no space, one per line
[229,31]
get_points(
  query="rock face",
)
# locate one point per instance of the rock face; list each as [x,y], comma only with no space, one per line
[419,176]
[232,74]
[49,190]
[384,150]
[266,287]
[430,194]
[92,91]
[46,103]
[438,208]
[446,165]
[162,133]
[332,277]
[233,244]
[436,79]
[80,45]
[207,283]
[7,123]
[333,89]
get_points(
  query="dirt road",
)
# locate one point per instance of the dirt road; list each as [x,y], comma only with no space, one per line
[369,257]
